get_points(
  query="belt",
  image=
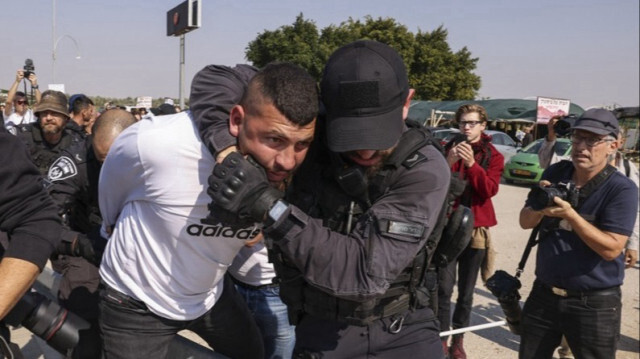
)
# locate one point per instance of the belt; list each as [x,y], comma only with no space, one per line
[561,292]
[253,287]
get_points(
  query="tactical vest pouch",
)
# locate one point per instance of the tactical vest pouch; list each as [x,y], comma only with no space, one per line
[455,238]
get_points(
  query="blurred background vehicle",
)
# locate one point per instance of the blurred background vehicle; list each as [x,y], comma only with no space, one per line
[524,166]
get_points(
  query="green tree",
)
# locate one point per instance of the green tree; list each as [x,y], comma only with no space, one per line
[435,71]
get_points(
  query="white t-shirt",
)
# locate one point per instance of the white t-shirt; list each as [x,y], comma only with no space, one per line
[251,266]
[153,189]
[14,120]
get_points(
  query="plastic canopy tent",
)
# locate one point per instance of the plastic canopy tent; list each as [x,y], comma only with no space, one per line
[509,110]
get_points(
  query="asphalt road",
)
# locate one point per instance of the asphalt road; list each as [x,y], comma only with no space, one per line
[491,343]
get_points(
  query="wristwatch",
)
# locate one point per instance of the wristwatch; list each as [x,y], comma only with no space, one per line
[35,86]
[276,211]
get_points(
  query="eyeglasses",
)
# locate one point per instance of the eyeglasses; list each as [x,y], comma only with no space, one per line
[21,102]
[589,141]
[471,124]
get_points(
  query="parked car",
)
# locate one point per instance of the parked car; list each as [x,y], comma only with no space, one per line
[500,140]
[440,133]
[524,166]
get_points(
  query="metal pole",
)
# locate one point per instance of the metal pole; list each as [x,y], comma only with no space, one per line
[182,72]
[53,42]
[475,327]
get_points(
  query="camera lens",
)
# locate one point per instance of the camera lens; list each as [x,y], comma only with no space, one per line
[46,319]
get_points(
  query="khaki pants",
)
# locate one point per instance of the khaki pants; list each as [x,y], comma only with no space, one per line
[481,239]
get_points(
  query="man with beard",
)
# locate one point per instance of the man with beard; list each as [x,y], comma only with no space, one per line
[164,268]
[62,159]
[47,138]
[350,247]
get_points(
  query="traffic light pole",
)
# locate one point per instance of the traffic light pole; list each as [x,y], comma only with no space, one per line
[182,72]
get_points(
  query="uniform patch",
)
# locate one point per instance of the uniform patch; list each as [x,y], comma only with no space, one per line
[414,159]
[407,229]
[61,169]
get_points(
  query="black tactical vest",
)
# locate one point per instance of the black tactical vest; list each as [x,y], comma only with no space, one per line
[327,197]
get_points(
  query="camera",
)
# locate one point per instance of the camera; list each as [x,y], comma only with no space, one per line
[28,68]
[563,125]
[46,319]
[542,197]
[505,287]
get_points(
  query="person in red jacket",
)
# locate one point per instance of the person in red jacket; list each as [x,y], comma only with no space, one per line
[473,159]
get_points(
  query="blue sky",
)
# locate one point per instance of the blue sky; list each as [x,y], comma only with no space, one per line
[583,50]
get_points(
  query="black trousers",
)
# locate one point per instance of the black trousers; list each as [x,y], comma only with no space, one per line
[589,321]
[130,330]
[468,265]
[326,339]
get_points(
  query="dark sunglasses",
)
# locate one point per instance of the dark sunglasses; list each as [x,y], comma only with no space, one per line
[21,102]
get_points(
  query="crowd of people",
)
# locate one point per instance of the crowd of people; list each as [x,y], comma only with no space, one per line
[281,219]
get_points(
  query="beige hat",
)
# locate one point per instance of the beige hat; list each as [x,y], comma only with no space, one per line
[51,100]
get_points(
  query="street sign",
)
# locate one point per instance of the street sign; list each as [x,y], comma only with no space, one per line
[184,18]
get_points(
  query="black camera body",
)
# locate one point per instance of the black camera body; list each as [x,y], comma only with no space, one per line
[542,197]
[28,68]
[563,125]
[505,287]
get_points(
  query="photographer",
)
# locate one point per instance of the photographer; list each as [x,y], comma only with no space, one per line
[547,155]
[580,265]
[16,111]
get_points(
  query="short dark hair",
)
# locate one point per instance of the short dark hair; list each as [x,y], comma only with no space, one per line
[289,88]
[469,108]
[79,103]
[18,94]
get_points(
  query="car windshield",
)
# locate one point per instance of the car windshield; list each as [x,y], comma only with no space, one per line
[560,148]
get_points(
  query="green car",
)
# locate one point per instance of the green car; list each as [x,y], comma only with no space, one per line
[524,166]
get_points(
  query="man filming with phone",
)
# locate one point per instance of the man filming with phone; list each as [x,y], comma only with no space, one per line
[583,231]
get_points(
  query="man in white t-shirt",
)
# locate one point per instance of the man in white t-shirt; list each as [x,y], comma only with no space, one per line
[163,269]
[17,111]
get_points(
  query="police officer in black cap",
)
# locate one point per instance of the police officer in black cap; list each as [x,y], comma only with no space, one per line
[350,246]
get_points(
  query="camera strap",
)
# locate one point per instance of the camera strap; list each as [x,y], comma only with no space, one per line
[527,250]
[585,192]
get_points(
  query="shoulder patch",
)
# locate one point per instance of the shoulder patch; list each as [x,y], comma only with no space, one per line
[61,169]
[414,159]
[401,228]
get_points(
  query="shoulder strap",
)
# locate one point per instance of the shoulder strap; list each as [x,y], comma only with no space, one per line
[627,167]
[594,183]
[406,154]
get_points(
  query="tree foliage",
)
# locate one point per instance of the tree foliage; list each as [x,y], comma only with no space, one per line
[435,71]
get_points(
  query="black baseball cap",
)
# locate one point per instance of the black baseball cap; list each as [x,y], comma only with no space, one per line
[598,121]
[364,87]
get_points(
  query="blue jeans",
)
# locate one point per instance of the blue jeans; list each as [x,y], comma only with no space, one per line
[271,316]
[130,330]
[590,322]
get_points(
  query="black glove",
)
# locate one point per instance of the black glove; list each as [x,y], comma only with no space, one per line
[240,191]
[82,247]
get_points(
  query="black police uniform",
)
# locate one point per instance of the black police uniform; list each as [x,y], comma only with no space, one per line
[29,225]
[65,169]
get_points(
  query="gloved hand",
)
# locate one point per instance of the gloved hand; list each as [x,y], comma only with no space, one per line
[240,191]
[82,247]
